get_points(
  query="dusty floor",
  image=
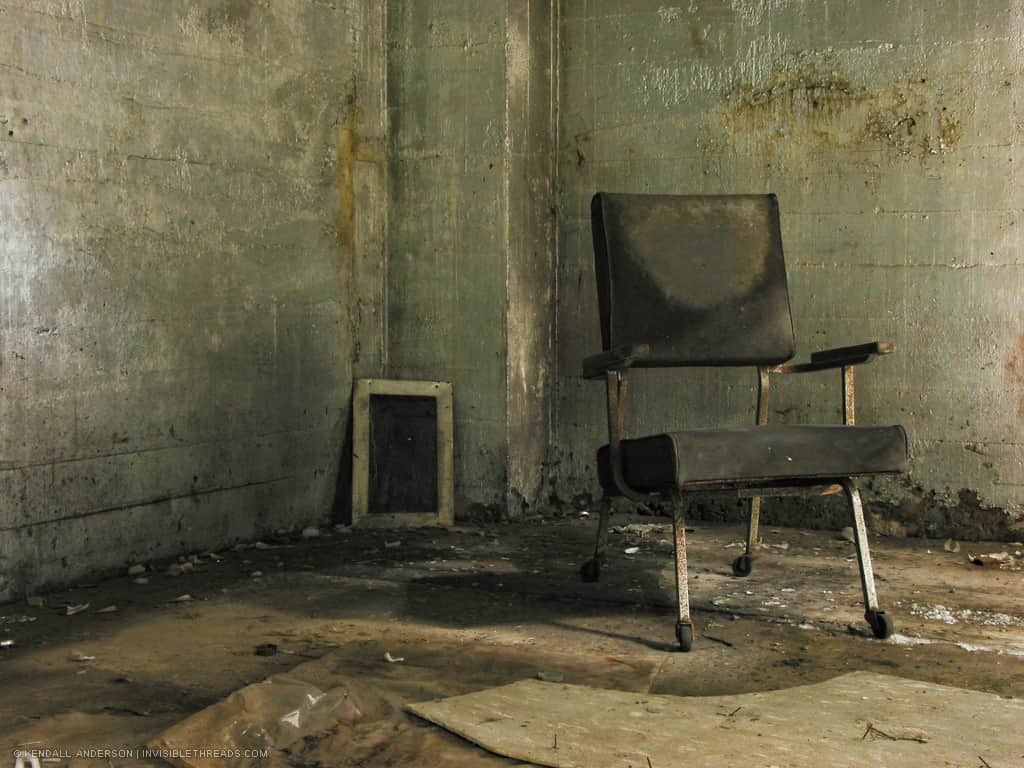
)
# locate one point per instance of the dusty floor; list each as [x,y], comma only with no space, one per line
[475,607]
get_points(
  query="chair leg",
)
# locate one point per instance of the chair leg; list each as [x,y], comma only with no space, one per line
[591,570]
[744,564]
[684,625]
[881,624]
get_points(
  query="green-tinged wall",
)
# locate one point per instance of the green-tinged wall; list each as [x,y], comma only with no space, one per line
[192,200]
[891,133]
[470,241]
[216,213]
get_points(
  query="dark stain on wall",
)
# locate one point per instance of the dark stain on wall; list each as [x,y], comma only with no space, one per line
[804,90]
[231,14]
[918,514]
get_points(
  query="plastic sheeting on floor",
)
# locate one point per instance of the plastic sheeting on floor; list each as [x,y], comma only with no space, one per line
[253,725]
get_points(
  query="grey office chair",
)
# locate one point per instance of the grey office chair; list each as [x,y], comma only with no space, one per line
[701,281]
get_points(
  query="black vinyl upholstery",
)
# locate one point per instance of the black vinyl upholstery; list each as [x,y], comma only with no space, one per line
[701,279]
[749,455]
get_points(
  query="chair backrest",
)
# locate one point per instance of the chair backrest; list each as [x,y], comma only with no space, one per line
[699,278]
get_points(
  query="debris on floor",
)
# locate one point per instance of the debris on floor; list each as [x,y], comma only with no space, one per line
[861,718]
[966,616]
[641,531]
[477,609]
[997,559]
[550,677]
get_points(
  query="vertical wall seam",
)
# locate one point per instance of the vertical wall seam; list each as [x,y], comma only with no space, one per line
[385,248]
[507,246]
[555,97]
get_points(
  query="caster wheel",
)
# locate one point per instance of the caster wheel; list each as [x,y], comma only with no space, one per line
[881,624]
[591,570]
[742,566]
[684,634]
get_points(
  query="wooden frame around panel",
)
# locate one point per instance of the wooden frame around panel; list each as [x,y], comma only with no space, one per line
[441,391]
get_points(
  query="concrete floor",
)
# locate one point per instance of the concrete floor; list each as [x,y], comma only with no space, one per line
[473,607]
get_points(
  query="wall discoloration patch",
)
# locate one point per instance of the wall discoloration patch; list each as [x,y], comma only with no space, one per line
[347,150]
[230,14]
[1014,367]
[350,150]
[810,106]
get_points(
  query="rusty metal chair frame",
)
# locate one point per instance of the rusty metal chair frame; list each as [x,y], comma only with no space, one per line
[614,367]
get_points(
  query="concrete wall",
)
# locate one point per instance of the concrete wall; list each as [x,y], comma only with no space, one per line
[532,108]
[470,247]
[193,244]
[891,134]
[190,190]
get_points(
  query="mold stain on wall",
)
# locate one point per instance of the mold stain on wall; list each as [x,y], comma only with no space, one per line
[809,107]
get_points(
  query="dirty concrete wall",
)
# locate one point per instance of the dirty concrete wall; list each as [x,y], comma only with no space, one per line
[446,255]
[187,186]
[890,132]
[532,118]
[469,258]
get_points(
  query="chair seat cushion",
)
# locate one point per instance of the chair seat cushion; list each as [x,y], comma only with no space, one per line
[750,455]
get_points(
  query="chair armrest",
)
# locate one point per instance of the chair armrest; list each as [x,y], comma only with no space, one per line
[616,359]
[840,357]
[861,353]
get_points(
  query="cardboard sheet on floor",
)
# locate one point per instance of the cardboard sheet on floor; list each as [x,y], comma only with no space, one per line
[854,720]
